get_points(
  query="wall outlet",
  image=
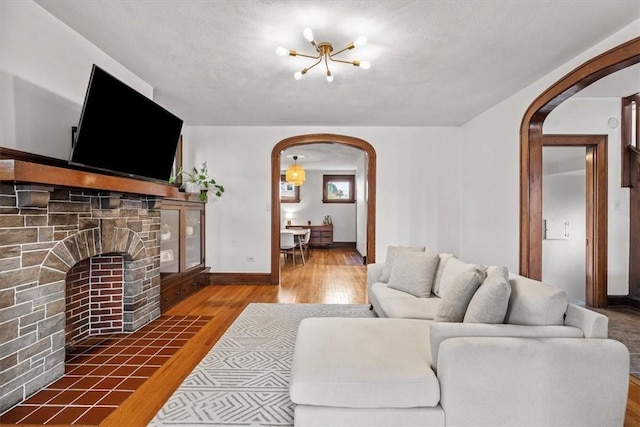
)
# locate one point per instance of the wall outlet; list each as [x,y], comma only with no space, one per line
[251,259]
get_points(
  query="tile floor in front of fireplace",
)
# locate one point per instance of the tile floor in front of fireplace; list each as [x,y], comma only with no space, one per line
[101,372]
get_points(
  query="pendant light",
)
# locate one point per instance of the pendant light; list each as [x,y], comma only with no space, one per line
[295,174]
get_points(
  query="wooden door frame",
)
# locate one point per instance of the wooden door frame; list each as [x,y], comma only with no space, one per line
[596,207]
[609,62]
[299,140]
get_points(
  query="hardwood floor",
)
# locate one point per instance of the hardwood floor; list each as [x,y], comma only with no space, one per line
[632,417]
[330,276]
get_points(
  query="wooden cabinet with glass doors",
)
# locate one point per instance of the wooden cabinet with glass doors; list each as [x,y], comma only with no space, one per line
[182,239]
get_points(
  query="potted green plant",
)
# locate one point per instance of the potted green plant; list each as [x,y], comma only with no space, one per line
[198,181]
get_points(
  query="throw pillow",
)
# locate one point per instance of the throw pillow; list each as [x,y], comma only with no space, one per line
[454,302]
[391,254]
[441,265]
[450,271]
[490,302]
[413,272]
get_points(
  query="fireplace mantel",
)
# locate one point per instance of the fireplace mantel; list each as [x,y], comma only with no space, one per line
[24,171]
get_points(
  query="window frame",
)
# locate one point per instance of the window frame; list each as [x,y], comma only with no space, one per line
[289,199]
[349,179]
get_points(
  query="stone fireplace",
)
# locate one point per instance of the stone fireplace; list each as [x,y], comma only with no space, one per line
[66,249]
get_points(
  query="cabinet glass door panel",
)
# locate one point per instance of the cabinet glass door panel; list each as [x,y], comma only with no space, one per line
[193,238]
[169,241]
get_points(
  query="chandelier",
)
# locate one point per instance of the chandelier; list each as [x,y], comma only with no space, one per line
[324,54]
[295,174]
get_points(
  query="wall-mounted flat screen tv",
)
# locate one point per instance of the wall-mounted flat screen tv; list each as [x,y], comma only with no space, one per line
[124,132]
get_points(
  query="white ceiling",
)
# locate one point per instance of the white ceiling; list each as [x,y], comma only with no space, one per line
[324,156]
[434,63]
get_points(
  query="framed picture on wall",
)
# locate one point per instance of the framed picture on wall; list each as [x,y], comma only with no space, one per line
[289,193]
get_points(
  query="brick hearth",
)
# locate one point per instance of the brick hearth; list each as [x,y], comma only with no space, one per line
[47,235]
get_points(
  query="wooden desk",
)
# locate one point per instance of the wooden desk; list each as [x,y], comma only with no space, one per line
[321,235]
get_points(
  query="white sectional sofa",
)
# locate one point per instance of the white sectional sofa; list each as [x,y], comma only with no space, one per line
[546,363]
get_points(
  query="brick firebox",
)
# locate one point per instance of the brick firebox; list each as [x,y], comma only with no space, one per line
[93,300]
[45,231]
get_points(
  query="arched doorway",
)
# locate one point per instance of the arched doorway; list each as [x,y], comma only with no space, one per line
[275,190]
[531,143]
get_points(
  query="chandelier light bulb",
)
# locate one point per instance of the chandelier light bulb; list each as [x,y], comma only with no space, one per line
[360,41]
[365,65]
[297,75]
[308,34]
[281,51]
[329,76]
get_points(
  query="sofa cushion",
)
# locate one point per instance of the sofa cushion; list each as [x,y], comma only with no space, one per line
[458,295]
[535,303]
[450,271]
[436,281]
[439,332]
[391,253]
[398,304]
[489,303]
[413,272]
[363,363]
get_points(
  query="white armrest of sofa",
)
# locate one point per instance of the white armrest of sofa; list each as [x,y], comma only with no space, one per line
[374,271]
[594,325]
[442,331]
[533,382]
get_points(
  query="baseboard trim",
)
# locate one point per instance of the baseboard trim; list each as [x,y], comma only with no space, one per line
[623,301]
[332,245]
[239,278]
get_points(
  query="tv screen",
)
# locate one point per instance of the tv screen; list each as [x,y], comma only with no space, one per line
[124,132]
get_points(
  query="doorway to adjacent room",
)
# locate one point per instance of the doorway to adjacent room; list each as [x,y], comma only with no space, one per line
[370,192]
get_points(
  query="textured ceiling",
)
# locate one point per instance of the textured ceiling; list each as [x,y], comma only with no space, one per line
[324,156]
[434,63]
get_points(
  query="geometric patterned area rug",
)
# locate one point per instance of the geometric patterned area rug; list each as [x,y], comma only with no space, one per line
[244,379]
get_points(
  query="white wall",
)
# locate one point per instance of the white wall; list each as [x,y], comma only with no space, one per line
[44,73]
[590,116]
[490,174]
[563,261]
[490,168]
[416,188]
[311,208]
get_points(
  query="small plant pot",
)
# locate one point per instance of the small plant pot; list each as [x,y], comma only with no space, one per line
[192,187]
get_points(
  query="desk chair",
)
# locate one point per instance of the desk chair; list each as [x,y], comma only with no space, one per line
[287,244]
[304,243]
